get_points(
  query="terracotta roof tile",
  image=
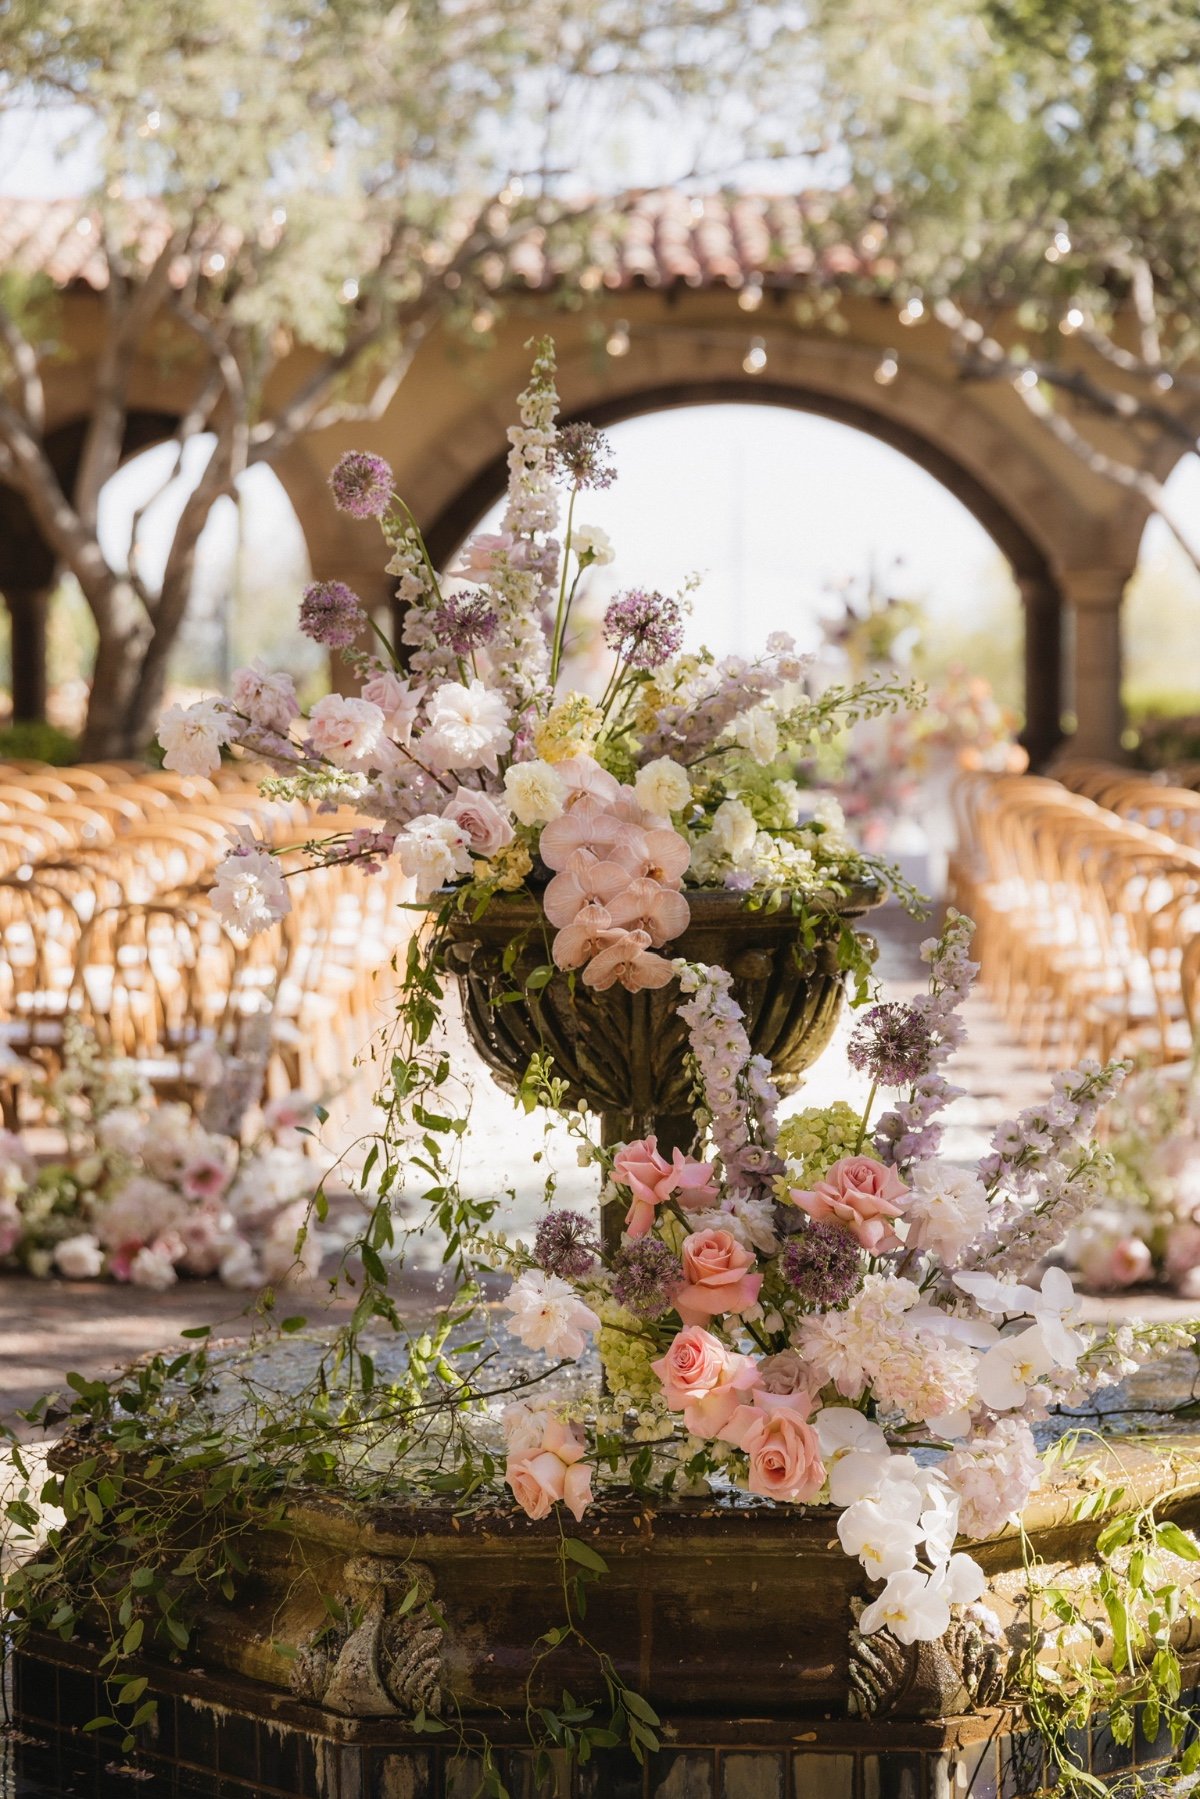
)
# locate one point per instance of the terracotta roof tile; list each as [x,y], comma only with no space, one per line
[653,239]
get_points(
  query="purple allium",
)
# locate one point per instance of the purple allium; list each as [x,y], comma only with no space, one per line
[361,484]
[332,613]
[646,1278]
[566,1244]
[465,622]
[822,1264]
[894,1044]
[585,454]
[644,628]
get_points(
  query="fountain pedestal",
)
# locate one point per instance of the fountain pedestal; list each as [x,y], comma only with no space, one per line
[734,1622]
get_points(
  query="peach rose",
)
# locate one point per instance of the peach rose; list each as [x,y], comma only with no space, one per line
[541,1474]
[718,1274]
[653,1180]
[704,1380]
[784,1454]
[861,1195]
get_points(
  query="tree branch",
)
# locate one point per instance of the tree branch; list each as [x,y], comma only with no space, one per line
[24,359]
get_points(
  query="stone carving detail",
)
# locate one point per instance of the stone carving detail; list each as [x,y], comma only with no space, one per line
[379,1661]
[964,1670]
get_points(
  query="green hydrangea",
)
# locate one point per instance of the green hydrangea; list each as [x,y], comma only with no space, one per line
[626,1354]
[813,1140]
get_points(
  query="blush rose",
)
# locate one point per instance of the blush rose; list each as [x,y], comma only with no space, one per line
[863,1196]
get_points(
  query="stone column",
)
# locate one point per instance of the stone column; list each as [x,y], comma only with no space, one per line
[27,608]
[1093,596]
[1042,609]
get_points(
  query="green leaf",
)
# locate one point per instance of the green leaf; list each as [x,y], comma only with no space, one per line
[291,1325]
[640,1708]
[133,1636]
[197,1330]
[586,1556]
[1176,1541]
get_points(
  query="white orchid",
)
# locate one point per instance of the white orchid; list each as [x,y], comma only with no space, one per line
[913,1606]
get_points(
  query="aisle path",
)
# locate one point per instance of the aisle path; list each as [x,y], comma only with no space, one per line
[50,1327]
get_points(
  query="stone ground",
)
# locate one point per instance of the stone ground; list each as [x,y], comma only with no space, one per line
[48,1328]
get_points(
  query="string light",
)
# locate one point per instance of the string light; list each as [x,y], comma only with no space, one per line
[150,123]
[1072,320]
[482,320]
[84,227]
[617,342]
[214,264]
[888,368]
[512,190]
[1027,379]
[755,359]
[279,216]
[349,289]
[912,310]
[750,297]
[1163,381]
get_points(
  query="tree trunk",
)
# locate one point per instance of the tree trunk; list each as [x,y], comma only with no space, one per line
[124,701]
[27,610]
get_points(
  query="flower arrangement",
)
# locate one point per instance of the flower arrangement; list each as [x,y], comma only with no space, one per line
[146,1193]
[482,771]
[827,1312]
[1148,1228]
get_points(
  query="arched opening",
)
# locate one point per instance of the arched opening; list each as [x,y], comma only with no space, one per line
[1160,627]
[778,509]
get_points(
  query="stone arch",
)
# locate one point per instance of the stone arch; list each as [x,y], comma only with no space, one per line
[1024,548]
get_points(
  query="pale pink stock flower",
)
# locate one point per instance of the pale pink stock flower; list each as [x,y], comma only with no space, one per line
[591,931]
[720,1277]
[544,1473]
[861,1195]
[481,821]
[579,882]
[653,1181]
[398,700]
[585,826]
[645,905]
[629,961]
[704,1380]
[782,1448]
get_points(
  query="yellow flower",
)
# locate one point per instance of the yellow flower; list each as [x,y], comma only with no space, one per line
[507,868]
[568,729]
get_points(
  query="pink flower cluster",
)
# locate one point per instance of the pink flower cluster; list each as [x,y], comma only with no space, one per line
[722,1396]
[545,1462]
[615,897]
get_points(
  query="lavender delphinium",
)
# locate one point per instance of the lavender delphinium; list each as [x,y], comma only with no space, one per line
[361,484]
[585,455]
[566,1244]
[646,1278]
[739,1093]
[822,1263]
[645,629]
[893,1043]
[465,622]
[907,1133]
[331,614]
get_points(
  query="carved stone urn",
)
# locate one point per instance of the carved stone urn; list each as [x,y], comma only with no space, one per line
[624,1054]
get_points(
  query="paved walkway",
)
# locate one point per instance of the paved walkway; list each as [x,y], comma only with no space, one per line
[50,1327]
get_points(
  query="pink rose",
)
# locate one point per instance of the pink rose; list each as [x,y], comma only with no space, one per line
[652,1180]
[1130,1262]
[704,1380]
[542,1475]
[784,1454]
[719,1278]
[481,822]
[398,700]
[1183,1251]
[861,1195]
